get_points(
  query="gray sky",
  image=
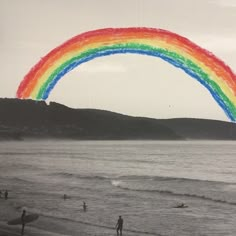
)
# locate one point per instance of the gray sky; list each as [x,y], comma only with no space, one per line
[130,84]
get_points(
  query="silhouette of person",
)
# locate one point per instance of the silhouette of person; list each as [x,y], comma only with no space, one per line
[0,194]
[6,195]
[65,196]
[119,225]
[84,206]
[23,221]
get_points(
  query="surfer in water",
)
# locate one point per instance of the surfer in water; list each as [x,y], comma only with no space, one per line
[6,195]
[23,221]
[84,206]
[182,205]
[119,226]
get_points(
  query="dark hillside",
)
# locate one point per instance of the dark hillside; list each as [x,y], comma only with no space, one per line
[21,119]
[27,118]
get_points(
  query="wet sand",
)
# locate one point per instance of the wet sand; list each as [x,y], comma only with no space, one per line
[47,226]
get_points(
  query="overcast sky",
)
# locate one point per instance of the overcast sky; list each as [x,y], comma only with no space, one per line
[129,84]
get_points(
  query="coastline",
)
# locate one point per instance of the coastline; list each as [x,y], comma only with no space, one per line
[138,181]
[48,226]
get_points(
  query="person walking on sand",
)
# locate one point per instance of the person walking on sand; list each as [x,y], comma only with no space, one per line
[119,226]
[6,195]
[84,206]
[23,222]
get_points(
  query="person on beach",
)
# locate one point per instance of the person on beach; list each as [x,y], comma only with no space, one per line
[6,195]
[0,194]
[119,226]
[23,221]
[84,206]
[65,196]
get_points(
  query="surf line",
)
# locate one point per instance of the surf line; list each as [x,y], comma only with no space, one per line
[167,192]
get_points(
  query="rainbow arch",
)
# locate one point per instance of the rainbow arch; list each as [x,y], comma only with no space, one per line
[197,62]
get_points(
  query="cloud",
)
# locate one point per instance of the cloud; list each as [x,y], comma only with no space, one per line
[226,3]
[216,43]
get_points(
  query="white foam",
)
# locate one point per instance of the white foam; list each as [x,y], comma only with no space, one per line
[116,183]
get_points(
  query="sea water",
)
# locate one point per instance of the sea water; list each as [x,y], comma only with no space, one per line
[143,181]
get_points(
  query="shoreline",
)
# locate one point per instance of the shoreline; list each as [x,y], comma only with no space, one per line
[49,226]
[142,182]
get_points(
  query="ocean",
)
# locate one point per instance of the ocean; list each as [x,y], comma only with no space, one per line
[143,181]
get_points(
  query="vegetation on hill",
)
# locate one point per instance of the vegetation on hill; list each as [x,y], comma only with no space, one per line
[35,119]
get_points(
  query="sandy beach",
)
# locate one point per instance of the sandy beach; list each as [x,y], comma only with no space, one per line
[47,226]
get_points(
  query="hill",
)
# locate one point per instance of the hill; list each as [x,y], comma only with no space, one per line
[22,119]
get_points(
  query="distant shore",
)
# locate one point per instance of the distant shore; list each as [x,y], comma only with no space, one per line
[23,119]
